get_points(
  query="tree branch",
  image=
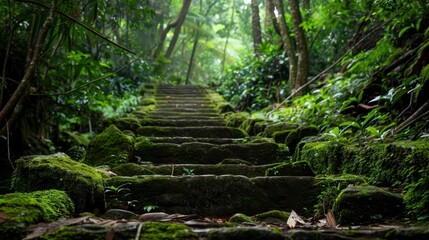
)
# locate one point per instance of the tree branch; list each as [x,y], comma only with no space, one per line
[81,24]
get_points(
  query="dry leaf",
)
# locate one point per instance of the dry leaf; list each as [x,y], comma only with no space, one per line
[294,219]
[110,234]
[330,220]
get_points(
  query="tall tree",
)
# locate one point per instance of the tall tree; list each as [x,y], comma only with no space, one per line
[287,42]
[303,54]
[256,26]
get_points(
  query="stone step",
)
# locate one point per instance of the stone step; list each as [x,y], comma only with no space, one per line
[160,113]
[180,140]
[224,195]
[187,110]
[197,132]
[184,105]
[174,117]
[182,98]
[174,101]
[133,169]
[182,122]
[207,153]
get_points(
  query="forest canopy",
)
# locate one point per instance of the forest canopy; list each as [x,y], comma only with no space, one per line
[350,68]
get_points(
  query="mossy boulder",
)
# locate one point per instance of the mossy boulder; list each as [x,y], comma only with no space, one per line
[81,182]
[280,137]
[112,146]
[132,169]
[277,127]
[236,119]
[301,168]
[254,126]
[240,218]
[296,135]
[22,209]
[273,216]
[357,205]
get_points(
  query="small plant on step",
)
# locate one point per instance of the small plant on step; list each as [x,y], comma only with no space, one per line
[150,207]
[188,171]
[119,197]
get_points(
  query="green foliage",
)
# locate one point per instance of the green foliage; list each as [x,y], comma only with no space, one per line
[119,197]
[256,82]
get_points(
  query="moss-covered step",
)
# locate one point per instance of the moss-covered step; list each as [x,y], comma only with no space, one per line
[180,101]
[158,113]
[185,105]
[220,195]
[123,231]
[196,132]
[176,117]
[182,122]
[132,169]
[82,183]
[180,140]
[21,209]
[206,153]
[185,110]
[403,164]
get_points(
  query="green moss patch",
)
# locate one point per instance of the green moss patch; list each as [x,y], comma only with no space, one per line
[296,135]
[277,127]
[273,216]
[81,182]
[236,119]
[126,122]
[240,218]
[112,146]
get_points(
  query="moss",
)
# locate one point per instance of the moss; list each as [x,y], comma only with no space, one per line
[253,126]
[126,122]
[301,168]
[81,182]
[296,135]
[277,127]
[273,216]
[236,119]
[166,231]
[146,101]
[240,218]
[280,137]
[245,233]
[132,169]
[366,204]
[47,205]
[111,146]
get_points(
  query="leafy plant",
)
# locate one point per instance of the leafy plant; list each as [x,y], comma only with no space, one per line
[119,197]
[188,171]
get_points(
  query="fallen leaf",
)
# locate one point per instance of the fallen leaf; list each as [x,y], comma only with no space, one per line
[330,220]
[294,219]
[35,231]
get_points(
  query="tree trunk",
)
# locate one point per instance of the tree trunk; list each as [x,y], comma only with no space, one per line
[177,25]
[287,41]
[256,27]
[303,55]
[270,16]
[228,34]
[180,20]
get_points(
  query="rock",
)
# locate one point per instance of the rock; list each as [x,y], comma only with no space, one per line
[111,147]
[21,209]
[236,119]
[273,216]
[82,183]
[196,132]
[153,217]
[117,214]
[357,205]
[240,218]
[277,127]
[296,135]
[301,168]
[245,233]
[126,122]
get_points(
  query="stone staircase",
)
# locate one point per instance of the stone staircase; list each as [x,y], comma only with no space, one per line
[200,166]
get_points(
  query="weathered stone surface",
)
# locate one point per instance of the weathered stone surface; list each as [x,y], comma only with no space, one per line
[182,122]
[254,233]
[273,216]
[112,146]
[81,182]
[196,132]
[221,195]
[301,168]
[131,169]
[277,127]
[180,140]
[206,153]
[296,135]
[365,204]
[118,214]
[127,122]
